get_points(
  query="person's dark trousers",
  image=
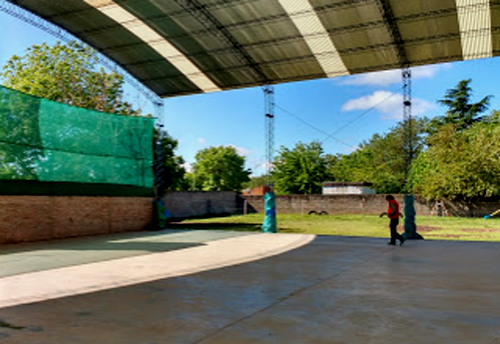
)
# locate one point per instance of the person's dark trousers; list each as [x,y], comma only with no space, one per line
[394,233]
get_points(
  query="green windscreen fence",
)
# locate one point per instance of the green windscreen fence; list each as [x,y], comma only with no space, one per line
[60,149]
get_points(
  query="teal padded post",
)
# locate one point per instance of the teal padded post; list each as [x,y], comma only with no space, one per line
[409,225]
[160,215]
[269,225]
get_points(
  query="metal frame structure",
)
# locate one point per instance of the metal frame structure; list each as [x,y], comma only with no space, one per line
[269,125]
[393,30]
[407,118]
[181,47]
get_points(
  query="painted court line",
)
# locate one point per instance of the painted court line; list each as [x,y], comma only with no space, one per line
[86,278]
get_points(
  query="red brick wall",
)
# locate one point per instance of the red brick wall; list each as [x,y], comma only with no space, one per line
[32,218]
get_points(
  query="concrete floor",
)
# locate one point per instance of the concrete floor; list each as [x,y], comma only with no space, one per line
[235,287]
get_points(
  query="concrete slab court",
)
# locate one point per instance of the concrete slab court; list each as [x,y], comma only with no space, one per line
[241,287]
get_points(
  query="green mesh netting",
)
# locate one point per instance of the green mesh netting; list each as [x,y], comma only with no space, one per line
[53,142]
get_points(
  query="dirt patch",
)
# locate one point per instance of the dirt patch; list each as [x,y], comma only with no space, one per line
[427,228]
[454,236]
[481,230]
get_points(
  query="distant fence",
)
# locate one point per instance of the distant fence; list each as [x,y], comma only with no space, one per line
[363,204]
[186,204]
[32,218]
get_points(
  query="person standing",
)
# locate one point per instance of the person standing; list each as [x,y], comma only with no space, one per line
[393,214]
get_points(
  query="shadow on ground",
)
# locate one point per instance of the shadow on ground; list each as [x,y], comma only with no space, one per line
[215,225]
[332,290]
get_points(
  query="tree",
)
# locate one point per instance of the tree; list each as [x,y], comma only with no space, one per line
[219,169]
[463,157]
[461,113]
[301,170]
[461,165]
[173,173]
[381,160]
[67,73]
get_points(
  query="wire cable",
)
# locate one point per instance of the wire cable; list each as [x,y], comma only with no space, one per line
[362,114]
[312,126]
[332,135]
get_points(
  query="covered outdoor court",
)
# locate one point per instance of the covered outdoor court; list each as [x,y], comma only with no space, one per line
[247,287]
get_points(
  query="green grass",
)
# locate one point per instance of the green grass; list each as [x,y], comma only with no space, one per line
[437,228]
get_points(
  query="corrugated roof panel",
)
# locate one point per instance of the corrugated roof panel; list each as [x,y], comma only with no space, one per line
[275,52]
[303,69]
[403,8]
[153,69]
[243,11]
[155,41]
[429,38]
[171,86]
[374,44]
[130,54]
[235,77]
[495,29]
[474,19]
[357,29]
[373,60]
[316,37]
[240,43]
[350,14]
[113,37]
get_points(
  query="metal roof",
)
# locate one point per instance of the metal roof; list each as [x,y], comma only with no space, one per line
[177,47]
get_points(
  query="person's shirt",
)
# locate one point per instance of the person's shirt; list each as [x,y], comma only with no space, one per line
[393,210]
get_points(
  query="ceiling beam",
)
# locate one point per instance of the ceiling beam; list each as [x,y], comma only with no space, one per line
[393,30]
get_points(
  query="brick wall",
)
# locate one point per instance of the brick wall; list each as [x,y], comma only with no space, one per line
[32,218]
[362,204]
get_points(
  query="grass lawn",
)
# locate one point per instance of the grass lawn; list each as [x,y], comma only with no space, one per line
[438,228]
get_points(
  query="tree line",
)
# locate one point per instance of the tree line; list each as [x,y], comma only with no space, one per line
[456,156]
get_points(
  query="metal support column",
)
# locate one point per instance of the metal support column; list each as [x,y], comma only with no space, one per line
[392,26]
[408,134]
[160,214]
[408,149]
[269,225]
[269,124]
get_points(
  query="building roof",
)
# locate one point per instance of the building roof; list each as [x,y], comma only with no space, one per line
[178,47]
[333,184]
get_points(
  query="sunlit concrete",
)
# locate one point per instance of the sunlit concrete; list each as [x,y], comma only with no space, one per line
[286,289]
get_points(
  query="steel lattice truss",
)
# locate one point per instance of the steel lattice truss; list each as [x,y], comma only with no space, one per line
[177,47]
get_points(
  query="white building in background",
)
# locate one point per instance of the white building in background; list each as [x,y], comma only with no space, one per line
[347,188]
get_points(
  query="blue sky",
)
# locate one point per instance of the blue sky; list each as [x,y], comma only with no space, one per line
[237,117]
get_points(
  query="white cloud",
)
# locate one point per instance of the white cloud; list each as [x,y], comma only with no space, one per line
[389,104]
[389,77]
[188,167]
[240,150]
[201,140]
